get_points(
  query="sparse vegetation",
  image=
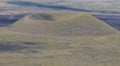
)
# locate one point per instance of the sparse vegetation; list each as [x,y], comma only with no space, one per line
[76,24]
[58,46]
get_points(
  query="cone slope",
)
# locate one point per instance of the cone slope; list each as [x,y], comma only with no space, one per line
[62,24]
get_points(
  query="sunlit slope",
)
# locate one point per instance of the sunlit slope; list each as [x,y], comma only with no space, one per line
[35,50]
[62,24]
[42,39]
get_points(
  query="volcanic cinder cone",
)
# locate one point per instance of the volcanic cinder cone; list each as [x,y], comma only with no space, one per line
[62,24]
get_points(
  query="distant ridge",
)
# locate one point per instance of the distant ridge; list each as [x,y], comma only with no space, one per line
[62,24]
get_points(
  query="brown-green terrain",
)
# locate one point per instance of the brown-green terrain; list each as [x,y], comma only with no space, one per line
[59,39]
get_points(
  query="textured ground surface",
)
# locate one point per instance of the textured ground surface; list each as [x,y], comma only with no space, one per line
[26,49]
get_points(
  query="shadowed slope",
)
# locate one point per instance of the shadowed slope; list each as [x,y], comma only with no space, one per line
[62,24]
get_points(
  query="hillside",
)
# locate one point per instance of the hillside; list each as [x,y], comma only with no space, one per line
[62,24]
[59,39]
[21,49]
